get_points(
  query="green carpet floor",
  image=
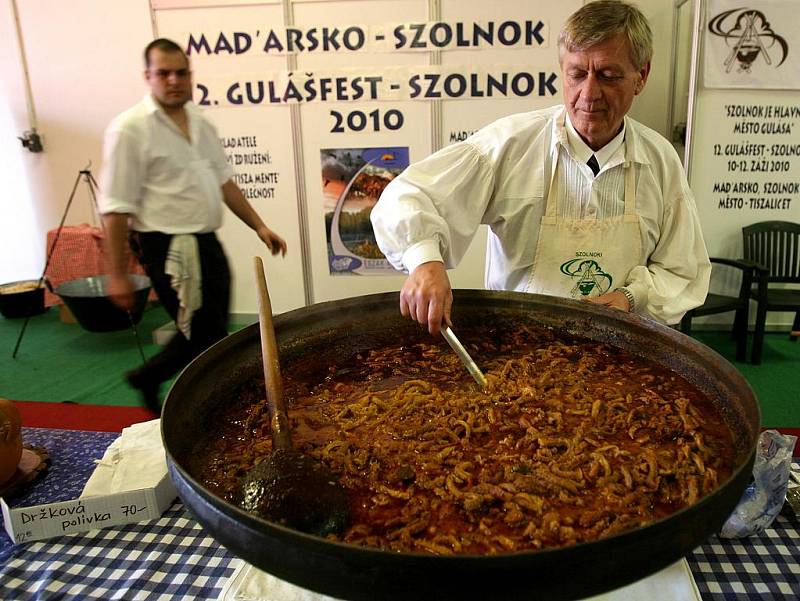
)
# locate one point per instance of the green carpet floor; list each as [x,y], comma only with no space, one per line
[62,362]
[58,362]
[776,381]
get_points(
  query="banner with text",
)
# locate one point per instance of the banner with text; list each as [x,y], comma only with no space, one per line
[745,166]
[399,37]
[358,70]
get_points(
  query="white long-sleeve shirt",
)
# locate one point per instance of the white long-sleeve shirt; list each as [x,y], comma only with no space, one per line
[151,171]
[499,177]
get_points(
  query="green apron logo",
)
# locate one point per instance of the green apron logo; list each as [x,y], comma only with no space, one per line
[588,276]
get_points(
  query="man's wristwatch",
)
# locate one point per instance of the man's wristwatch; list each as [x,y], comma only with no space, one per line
[629,295]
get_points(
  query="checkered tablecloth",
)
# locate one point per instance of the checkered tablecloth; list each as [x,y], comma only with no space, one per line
[765,566]
[173,559]
[78,253]
[167,559]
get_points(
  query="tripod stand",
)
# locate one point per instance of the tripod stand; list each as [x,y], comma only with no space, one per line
[92,186]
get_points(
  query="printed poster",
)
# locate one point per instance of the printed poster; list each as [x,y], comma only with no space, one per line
[352,182]
[752,44]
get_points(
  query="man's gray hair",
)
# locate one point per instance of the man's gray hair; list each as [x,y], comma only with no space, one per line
[599,21]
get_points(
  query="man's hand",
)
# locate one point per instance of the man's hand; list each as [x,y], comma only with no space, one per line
[426,296]
[234,197]
[120,287]
[120,291]
[274,242]
[615,300]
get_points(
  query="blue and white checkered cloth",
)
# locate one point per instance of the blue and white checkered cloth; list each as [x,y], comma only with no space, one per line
[167,559]
[761,566]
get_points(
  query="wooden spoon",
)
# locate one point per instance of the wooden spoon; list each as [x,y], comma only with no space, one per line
[288,487]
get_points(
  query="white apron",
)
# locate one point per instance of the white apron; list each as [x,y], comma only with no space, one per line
[578,258]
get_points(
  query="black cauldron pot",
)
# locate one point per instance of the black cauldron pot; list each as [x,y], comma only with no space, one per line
[88,300]
[330,333]
[22,299]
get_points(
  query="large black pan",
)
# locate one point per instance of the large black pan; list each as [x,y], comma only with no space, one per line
[329,333]
[22,299]
[88,300]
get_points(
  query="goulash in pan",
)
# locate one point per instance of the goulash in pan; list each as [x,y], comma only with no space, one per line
[573,441]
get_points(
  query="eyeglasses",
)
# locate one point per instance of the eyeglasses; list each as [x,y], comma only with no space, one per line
[166,73]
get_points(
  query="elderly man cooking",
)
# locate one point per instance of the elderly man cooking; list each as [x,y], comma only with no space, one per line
[581,200]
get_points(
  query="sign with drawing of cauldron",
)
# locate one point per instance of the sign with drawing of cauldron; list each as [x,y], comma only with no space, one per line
[752,45]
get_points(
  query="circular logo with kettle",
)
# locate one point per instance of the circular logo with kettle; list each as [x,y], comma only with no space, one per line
[588,275]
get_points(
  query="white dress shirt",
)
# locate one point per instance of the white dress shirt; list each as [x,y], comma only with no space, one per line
[581,151]
[499,176]
[166,182]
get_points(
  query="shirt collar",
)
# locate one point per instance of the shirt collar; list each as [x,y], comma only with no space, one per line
[151,104]
[581,151]
[154,108]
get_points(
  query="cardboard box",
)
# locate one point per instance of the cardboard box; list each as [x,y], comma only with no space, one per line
[36,522]
[129,484]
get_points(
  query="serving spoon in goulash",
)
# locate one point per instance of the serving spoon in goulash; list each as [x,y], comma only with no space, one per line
[462,353]
[289,487]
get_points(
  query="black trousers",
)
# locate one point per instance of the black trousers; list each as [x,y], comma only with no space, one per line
[209,323]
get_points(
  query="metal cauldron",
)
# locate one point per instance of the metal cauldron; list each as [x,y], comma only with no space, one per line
[22,299]
[330,333]
[88,300]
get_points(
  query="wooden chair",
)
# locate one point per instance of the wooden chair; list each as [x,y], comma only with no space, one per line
[775,246]
[719,303]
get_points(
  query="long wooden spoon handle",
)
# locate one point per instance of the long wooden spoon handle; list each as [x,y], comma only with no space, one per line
[279,420]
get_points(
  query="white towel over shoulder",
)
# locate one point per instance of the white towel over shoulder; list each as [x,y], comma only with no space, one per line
[183,265]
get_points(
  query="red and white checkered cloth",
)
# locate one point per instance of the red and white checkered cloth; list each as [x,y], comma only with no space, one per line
[79,253]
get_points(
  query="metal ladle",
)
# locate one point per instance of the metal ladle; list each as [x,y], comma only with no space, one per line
[288,487]
[464,356]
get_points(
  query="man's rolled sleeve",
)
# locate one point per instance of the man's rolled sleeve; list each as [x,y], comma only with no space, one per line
[222,168]
[678,270]
[121,175]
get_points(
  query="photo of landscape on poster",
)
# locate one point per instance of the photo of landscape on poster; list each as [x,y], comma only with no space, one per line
[352,182]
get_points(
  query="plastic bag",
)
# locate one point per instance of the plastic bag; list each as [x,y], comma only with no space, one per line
[763,498]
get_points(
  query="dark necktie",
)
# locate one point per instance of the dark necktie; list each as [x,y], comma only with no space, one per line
[593,165]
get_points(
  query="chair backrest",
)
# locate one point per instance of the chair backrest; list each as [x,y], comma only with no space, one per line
[776,246]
